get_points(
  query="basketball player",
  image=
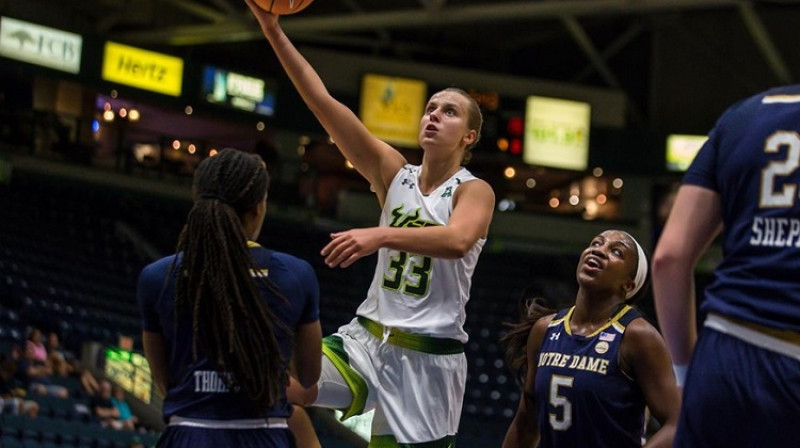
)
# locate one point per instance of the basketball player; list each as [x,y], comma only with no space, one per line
[225,318]
[742,386]
[590,370]
[403,354]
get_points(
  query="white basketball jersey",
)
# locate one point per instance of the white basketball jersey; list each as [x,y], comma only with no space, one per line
[415,293]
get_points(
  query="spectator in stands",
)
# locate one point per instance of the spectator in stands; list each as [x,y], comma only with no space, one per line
[435,221]
[36,348]
[35,373]
[127,420]
[64,363]
[592,369]
[103,407]
[61,361]
[89,383]
[225,318]
[12,397]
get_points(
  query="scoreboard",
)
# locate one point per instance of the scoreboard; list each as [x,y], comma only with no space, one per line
[131,371]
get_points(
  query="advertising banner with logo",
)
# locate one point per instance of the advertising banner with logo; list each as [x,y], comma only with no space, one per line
[143,69]
[391,108]
[681,150]
[239,91]
[557,133]
[40,45]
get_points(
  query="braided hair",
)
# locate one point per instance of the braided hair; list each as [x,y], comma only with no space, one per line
[216,287]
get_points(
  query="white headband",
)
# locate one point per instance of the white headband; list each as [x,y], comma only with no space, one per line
[641,270]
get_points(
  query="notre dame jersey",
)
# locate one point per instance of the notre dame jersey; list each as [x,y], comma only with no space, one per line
[583,398]
[752,160]
[195,388]
[412,292]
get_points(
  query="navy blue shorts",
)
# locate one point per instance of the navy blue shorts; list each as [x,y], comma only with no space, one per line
[739,395]
[188,437]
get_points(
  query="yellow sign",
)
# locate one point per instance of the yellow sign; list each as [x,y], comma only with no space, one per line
[557,133]
[392,107]
[143,69]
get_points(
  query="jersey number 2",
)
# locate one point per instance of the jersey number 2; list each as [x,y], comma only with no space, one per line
[420,273]
[768,196]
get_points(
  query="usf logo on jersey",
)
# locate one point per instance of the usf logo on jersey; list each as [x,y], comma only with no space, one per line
[408,219]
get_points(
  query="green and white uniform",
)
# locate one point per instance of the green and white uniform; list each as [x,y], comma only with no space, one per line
[403,354]
[415,293]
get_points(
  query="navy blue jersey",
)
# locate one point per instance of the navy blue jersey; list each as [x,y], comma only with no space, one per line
[583,398]
[752,159]
[195,389]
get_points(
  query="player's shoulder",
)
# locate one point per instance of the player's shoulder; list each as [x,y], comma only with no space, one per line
[539,330]
[639,332]
[290,260]
[294,267]
[158,267]
[473,185]
[153,274]
[781,96]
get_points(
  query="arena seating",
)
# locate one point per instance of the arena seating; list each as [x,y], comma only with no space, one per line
[64,267]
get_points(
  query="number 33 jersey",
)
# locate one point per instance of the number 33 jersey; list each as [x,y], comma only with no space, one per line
[412,292]
[583,398]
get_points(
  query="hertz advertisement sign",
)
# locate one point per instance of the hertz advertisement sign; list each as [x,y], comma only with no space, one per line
[143,69]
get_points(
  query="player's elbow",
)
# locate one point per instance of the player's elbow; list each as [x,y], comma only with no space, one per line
[307,371]
[666,262]
[308,378]
[458,248]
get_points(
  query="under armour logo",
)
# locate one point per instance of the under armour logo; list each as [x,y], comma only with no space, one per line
[555,336]
[408,182]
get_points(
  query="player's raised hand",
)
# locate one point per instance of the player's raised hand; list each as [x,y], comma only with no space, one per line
[347,247]
[265,19]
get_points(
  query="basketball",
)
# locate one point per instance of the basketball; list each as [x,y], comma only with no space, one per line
[282,7]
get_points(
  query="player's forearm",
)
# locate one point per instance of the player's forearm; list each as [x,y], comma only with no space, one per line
[673,290]
[337,119]
[519,435]
[434,241]
[305,79]
[663,438]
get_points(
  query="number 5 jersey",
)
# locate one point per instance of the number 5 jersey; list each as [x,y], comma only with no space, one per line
[583,398]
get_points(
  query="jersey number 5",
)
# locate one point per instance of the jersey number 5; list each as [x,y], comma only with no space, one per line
[559,401]
[769,197]
[419,278]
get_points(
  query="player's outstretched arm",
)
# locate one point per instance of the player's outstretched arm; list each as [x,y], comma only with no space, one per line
[472,213]
[693,223]
[156,355]
[377,161]
[307,353]
[646,357]
[524,429]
